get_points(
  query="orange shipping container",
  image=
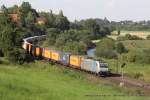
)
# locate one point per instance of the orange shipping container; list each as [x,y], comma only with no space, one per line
[76,61]
[55,55]
[38,51]
[47,53]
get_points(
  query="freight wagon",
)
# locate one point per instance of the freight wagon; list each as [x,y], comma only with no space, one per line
[46,53]
[55,55]
[38,52]
[75,61]
[65,58]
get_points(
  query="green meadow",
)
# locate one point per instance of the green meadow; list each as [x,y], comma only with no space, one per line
[43,81]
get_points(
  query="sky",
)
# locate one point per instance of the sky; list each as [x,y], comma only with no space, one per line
[114,10]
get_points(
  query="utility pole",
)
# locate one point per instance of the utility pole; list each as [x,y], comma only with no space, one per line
[122,74]
[117,65]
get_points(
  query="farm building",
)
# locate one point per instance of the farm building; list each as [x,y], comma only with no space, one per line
[14,17]
[41,20]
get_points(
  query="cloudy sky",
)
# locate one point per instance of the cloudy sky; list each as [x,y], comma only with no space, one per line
[80,9]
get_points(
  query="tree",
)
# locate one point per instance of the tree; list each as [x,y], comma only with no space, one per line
[4,9]
[20,34]
[19,56]
[51,19]
[62,22]
[91,25]
[31,18]
[52,33]
[7,38]
[118,32]
[25,7]
[106,48]
[120,48]
[14,9]
[61,13]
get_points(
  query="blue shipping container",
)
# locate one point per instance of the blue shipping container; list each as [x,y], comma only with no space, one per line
[64,58]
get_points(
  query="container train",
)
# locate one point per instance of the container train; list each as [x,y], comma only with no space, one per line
[64,58]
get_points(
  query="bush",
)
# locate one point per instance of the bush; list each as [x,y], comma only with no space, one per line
[1,53]
[120,48]
[142,57]
[148,37]
[106,48]
[138,75]
[128,37]
[18,56]
[131,57]
[107,54]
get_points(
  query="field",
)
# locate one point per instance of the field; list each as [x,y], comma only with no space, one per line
[136,44]
[142,34]
[48,82]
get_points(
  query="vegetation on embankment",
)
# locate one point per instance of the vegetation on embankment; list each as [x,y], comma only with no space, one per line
[135,53]
[43,81]
[133,70]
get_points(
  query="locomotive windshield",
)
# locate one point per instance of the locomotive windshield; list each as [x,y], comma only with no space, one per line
[103,65]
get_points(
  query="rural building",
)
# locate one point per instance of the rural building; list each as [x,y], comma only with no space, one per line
[14,17]
[41,20]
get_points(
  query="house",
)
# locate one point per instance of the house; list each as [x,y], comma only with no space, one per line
[41,20]
[14,17]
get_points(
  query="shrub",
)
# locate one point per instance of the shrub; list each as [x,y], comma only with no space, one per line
[131,57]
[120,48]
[148,37]
[128,37]
[1,53]
[105,48]
[18,56]
[110,54]
[142,57]
[138,75]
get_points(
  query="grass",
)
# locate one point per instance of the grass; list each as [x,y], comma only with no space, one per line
[132,69]
[42,81]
